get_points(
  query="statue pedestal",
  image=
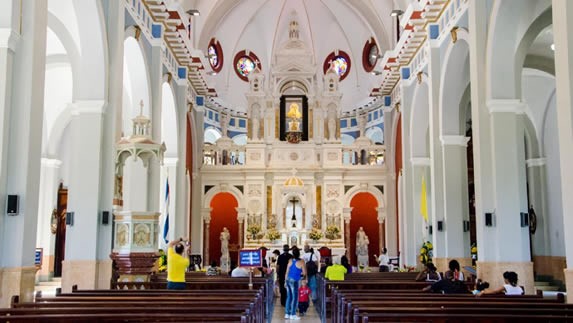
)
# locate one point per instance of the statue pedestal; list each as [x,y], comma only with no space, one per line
[362,260]
[225,263]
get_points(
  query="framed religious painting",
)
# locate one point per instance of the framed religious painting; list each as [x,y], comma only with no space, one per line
[293,118]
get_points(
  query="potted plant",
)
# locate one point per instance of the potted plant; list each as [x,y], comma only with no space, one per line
[426,252]
[254,230]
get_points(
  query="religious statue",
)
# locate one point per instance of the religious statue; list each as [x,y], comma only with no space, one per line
[224,122]
[225,236]
[294,115]
[332,124]
[361,243]
[362,120]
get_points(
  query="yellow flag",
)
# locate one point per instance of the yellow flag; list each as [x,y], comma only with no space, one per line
[424,201]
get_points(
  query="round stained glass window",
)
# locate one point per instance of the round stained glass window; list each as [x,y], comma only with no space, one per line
[245,65]
[213,57]
[340,65]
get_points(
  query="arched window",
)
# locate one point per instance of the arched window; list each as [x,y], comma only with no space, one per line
[370,55]
[245,62]
[215,55]
[341,62]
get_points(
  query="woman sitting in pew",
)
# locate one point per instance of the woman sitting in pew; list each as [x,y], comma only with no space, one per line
[429,274]
[509,288]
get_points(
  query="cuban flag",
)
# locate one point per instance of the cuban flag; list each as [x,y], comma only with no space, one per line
[166,223]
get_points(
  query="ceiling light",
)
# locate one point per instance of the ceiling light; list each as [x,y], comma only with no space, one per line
[376,73]
[376,56]
[396,13]
[553,47]
[193,12]
[212,73]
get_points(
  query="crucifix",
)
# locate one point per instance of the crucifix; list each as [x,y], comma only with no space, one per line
[293,218]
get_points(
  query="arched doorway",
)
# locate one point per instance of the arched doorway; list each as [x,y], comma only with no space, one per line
[223,214]
[364,214]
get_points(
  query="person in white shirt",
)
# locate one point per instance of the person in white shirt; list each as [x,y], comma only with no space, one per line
[383,261]
[509,288]
[240,272]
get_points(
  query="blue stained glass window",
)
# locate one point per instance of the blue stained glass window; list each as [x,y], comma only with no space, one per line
[340,65]
[245,65]
[213,56]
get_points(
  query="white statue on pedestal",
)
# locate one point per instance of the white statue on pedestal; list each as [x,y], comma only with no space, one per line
[255,114]
[225,236]
[332,123]
[362,247]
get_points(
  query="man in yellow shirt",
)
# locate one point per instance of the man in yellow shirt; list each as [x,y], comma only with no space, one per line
[177,263]
[336,271]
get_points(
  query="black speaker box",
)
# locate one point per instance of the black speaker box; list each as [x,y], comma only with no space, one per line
[489,219]
[105,217]
[440,226]
[69,218]
[524,217]
[12,204]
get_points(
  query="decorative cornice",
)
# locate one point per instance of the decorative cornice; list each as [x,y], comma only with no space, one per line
[506,106]
[455,140]
[420,161]
[536,162]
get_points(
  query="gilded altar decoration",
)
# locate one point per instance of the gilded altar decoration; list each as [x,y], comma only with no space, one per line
[294,134]
[122,234]
[142,235]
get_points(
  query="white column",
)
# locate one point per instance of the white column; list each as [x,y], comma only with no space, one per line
[180,200]
[509,178]
[80,266]
[156,85]
[21,114]
[483,173]
[196,180]
[563,37]
[49,182]
[436,183]
[456,208]
[416,229]
[115,17]
[391,222]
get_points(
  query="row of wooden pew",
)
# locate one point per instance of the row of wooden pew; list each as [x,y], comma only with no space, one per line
[386,297]
[224,299]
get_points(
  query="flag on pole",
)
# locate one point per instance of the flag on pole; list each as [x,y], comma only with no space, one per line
[424,201]
[166,223]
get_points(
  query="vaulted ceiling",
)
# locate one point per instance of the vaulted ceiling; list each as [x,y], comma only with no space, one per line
[261,26]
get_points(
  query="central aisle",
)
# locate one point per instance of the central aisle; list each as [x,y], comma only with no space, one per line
[279,314]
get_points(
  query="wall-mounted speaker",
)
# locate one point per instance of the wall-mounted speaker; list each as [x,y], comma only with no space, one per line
[105,217]
[466,225]
[12,204]
[440,226]
[489,219]
[430,229]
[524,219]
[70,218]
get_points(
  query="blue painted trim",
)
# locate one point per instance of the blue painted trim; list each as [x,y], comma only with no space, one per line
[200,100]
[353,122]
[156,31]
[232,122]
[182,73]
[405,73]
[343,123]
[434,31]
[387,100]
[242,123]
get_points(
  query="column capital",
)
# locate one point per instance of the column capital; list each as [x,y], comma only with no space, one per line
[347,210]
[455,140]
[206,214]
[88,107]
[52,163]
[506,106]
[381,214]
[536,162]
[420,161]
[9,39]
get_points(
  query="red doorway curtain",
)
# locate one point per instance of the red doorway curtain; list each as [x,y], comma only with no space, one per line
[223,214]
[365,215]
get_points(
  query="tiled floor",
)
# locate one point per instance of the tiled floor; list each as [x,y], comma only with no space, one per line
[279,314]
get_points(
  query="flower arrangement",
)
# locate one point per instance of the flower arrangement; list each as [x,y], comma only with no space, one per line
[474,252]
[426,252]
[315,234]
[273,234]
[407,269]
[254,230]
[332,232]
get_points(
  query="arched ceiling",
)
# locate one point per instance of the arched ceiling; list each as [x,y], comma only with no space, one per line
[261,26]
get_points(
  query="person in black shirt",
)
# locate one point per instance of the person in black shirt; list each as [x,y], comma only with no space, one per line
[282,263]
